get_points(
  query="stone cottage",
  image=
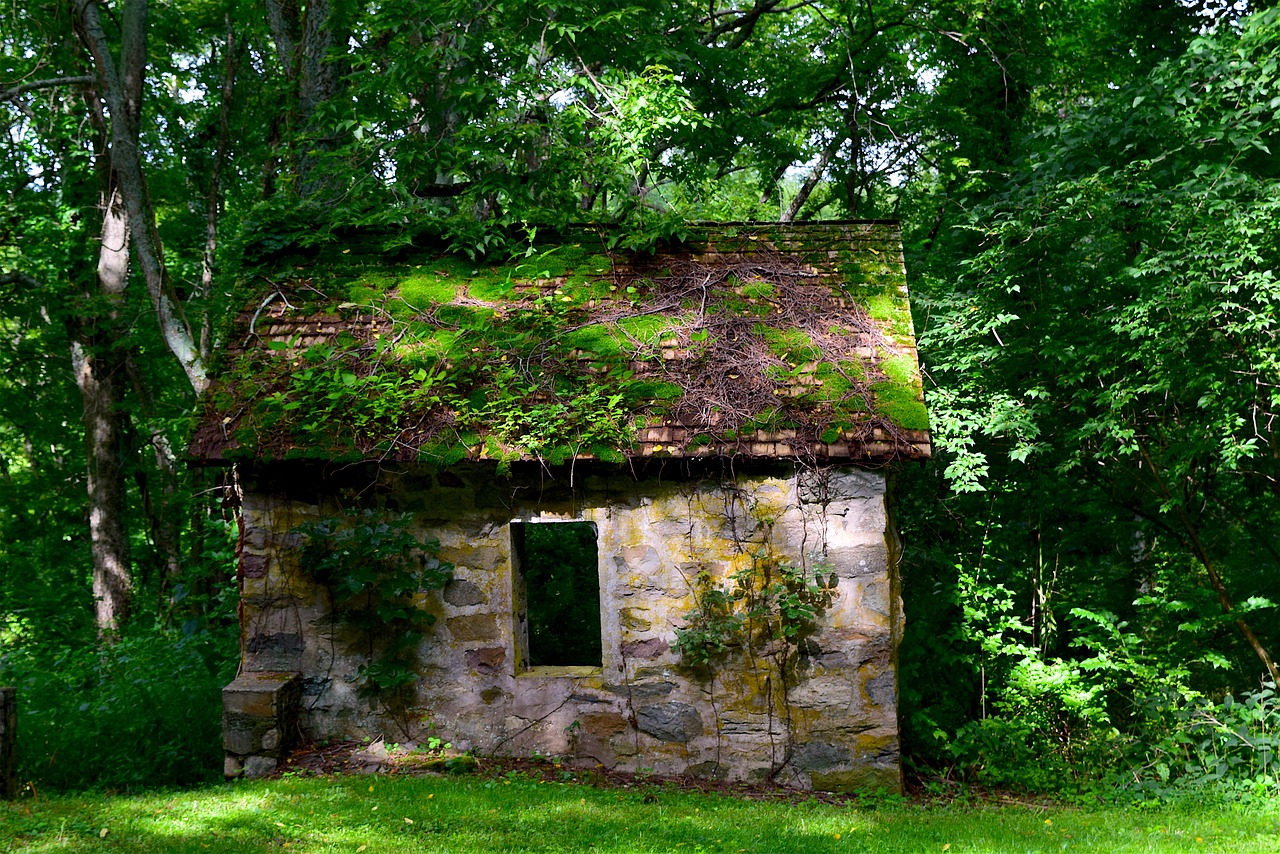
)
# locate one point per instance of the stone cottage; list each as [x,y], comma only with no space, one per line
[621,509]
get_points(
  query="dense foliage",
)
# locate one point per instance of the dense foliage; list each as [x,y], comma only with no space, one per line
[1089,196]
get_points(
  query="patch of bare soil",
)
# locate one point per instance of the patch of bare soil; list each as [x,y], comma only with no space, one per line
[352,757]
[378,757]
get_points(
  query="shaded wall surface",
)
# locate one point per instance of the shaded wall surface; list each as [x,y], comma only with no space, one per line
[817,713]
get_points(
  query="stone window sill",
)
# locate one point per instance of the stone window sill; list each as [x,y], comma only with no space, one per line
[561,671]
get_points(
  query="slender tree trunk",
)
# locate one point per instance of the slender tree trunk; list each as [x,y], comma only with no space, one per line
[158,493]
[213,203]
[121,88]
[815,175]
[99,374]
[1191,536]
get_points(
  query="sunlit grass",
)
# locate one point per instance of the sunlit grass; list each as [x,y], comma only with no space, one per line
[403,814]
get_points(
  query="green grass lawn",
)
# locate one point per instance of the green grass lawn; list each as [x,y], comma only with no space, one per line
[515,813]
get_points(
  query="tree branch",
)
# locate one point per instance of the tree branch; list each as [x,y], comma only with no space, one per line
[13,277]
[819,169]
[10,94]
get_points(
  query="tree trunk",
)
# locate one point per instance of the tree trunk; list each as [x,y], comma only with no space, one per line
[99,374]
[1190,534]
[122,89]
[307,47]
[815,175]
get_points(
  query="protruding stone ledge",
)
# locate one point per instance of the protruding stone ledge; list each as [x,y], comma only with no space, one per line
[259,721]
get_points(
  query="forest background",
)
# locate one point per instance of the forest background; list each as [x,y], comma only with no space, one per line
[1091,209]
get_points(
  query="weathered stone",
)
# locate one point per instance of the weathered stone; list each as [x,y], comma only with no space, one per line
[856,519]
[630,619]
[314,686]
[877,747]
[284,643]
[643,673]
[866,779]
[242,735]
[642,690]
[486,660]
[259,711]
[260,766]
[656,535]
[274,652]
[819,756]
[647,649]
[822,486]
[473,627]
[882,690]
[589,699]
[253,565]
[756,726]
[678,722]
[254,697]
[830,692]
[232,767]
[602,725]
[709,770]
[642,559]
[460,593]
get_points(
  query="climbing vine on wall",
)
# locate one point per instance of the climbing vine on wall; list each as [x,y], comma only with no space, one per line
[767,607]
[374,569]
[765,610]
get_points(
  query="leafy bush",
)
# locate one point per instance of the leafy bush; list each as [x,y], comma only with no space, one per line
[146,711]
[1227,749]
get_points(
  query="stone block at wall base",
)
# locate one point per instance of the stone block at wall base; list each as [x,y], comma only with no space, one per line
[259,721]
[867,779]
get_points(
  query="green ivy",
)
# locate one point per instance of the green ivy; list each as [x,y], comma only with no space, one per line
[766,602]
[374,568]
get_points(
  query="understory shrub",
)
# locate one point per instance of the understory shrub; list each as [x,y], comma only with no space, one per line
[144,711]
[1225,749]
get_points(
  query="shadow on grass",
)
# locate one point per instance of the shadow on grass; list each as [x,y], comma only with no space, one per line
[412,814]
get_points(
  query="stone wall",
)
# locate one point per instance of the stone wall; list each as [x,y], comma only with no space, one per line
[830,722]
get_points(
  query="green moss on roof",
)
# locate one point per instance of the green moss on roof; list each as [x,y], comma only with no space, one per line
[644,329]
[790,345]
[898,396]
[597,338]
[758,290]
[420,291]
[804,329]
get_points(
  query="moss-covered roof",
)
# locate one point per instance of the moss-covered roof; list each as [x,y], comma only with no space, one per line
[752,339]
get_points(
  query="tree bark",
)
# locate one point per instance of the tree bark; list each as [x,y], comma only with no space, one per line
[306,48]
[121,89]
[1191,536]
[815,175]
[99,376]
[213,202]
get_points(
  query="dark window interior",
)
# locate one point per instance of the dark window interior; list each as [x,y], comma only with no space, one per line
[562,592]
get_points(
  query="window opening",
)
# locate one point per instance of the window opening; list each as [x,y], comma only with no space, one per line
[558,565]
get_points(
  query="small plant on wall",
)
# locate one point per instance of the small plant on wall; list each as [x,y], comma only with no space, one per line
[765,610]
[374,568]
[769,607]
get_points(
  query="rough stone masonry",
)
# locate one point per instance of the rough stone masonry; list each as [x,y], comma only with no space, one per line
[827,721]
